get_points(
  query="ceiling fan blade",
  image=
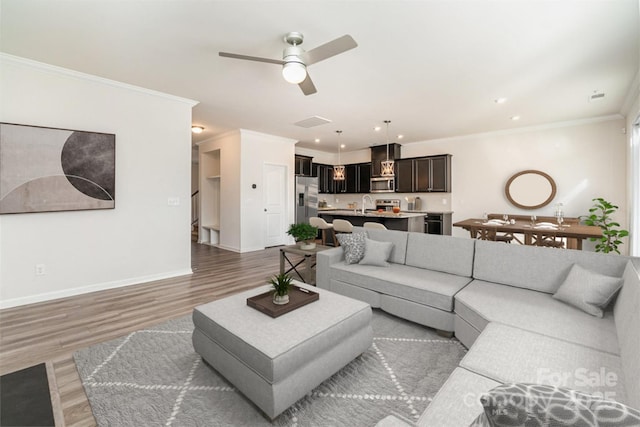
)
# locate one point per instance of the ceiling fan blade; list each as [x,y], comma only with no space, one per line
[329,49]
[307,86]
[251,58]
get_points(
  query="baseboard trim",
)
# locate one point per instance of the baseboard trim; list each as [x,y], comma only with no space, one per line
[16,302]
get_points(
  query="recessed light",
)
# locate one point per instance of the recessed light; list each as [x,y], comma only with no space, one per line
[377,128]
[514,118]
[500,100]
[400,136]
[197,129]
[317,140]
[342,145]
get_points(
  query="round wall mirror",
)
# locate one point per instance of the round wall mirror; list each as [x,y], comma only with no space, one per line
[530,189]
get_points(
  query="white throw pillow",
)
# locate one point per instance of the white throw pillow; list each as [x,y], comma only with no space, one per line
[588,291]
[376,253]
[353,246]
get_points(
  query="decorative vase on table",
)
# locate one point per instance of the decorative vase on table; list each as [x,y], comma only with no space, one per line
[306,245]
[281,283]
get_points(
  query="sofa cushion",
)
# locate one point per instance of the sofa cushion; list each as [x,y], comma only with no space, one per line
[422,286]
[457,403]
[482,302]
[520,265]
[627,315]
[507,354]
[353,245]
[376,253]
[440,253]
[510,405]
[398,238]
[587,290]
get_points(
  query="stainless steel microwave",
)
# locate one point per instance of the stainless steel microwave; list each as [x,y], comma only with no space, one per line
[383,184]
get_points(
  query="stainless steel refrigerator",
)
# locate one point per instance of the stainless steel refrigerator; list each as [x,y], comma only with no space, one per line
[306,198]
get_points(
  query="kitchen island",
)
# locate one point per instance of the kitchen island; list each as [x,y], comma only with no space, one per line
[403,221]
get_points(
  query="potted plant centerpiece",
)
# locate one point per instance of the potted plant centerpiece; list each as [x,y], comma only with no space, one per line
[304,233]
[281,284]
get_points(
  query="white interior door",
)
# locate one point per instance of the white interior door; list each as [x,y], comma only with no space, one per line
[275,204]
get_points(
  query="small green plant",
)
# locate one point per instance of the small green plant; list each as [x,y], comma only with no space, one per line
[281,283]
[600,216]
[303,231]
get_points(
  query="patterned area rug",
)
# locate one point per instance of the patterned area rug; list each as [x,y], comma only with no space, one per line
[154,377]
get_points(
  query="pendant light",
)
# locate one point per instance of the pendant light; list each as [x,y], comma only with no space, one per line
[338,170]
[387,166]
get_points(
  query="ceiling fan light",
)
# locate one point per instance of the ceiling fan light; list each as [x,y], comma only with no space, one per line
[294,72]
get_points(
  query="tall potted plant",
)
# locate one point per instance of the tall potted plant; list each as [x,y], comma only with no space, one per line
[305,233]
[600,216]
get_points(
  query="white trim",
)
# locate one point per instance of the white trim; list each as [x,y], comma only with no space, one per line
[545,126]
[17,60]
[632,95]
[48,296]
[634,190]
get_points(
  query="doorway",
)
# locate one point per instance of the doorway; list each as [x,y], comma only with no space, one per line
[275,204]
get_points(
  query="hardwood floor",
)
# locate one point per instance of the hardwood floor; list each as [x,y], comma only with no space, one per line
[51,331]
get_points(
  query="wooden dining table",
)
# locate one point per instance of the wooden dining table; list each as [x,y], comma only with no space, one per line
[574,233]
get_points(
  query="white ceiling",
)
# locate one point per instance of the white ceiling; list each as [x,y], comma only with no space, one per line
[433,67]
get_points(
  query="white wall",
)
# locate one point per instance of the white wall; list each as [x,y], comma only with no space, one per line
[243,155]
[142,238]
[586,159]
[257,150]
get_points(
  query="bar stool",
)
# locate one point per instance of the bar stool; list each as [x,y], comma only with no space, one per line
[374,225]
[342,226]
[324,226]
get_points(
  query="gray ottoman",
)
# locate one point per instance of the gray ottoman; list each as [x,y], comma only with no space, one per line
[275,362]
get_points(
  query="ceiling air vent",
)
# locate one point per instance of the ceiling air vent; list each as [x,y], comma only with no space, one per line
[596,96]
[312,122]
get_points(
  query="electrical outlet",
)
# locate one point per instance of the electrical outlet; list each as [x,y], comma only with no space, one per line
[444,201]
[173,201]
[40,270]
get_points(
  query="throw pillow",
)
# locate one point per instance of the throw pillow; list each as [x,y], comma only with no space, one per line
[513,405]
[376,253]
[353,246]
[588,291]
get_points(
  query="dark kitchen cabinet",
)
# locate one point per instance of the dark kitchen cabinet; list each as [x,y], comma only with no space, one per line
[303,165]
[424,174]
[433,174]
[325,177]
[364,178]
[358,178]
[379,155]
[404,175]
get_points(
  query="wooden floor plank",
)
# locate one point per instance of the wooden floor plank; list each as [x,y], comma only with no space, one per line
[49,332]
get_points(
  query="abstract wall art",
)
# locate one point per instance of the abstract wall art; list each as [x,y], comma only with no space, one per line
[47,169]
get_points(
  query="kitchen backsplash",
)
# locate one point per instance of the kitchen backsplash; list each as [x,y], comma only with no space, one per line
[430,201]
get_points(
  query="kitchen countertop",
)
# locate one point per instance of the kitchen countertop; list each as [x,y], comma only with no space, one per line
[372,214]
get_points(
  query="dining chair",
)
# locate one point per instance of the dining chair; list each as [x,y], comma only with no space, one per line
[324,227]
[482,233]
[374,225]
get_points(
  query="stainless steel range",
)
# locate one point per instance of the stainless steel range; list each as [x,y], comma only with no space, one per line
[387,204]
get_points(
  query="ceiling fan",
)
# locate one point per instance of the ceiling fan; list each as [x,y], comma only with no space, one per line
[295,60]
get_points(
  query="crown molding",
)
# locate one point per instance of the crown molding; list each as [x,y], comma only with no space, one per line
[6,58]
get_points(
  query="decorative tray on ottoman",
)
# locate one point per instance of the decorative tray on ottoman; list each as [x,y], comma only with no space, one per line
[297,298]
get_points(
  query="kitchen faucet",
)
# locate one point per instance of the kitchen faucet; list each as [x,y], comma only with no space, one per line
[364,198]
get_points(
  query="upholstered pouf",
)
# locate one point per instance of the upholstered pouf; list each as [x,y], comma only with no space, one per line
[275,362]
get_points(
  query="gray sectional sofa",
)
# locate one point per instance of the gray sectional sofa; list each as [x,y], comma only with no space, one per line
[498,300]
